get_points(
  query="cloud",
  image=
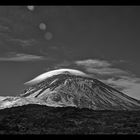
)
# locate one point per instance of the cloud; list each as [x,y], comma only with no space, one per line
[4,28]
[129,85]
[118,78]
[101,67]
[93,63]
[23,43]
[106,71]
[21,57]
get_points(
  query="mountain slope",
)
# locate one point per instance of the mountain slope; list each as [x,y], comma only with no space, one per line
[66,87]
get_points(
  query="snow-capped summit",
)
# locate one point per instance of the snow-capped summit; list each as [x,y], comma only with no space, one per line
[67,87]
[55,72]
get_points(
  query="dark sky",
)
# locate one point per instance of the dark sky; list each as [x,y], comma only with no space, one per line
[72,33]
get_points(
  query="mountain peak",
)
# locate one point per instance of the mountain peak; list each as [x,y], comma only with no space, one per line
[68,87]
[46,75]
[73,88]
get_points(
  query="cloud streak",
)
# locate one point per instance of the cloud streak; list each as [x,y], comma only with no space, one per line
[4,28]
[18,57]
[23,43]
[93,63]
[100,67]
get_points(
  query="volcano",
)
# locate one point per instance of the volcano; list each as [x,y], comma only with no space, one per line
[68,87]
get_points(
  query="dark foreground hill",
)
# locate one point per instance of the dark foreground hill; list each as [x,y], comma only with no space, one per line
[38,119]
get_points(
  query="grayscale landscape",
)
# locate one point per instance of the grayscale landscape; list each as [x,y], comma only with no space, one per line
[69,70]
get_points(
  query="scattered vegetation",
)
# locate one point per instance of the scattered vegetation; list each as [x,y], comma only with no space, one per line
[37,119]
